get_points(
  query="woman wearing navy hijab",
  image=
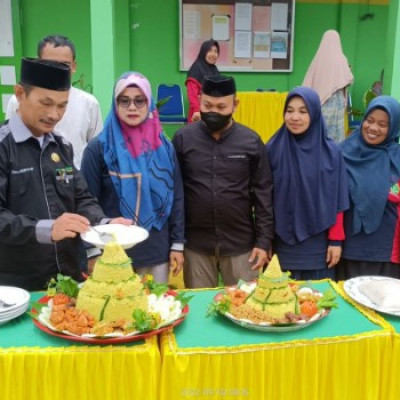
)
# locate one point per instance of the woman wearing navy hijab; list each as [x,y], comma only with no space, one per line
[310,190]
[372,225]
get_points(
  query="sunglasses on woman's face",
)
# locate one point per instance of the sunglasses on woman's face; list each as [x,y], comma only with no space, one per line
[125,102]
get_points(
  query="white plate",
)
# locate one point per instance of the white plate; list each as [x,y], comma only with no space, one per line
[267,326]
[351,287]
[125,235]
[16,296]
[21,311]
[13,295]
[169,309]
[17,311]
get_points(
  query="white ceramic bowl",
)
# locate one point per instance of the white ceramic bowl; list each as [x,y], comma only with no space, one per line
[125,235]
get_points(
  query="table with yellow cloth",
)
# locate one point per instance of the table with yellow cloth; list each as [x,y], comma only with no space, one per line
[391,390]
[261,111]
[35,365]
[345,356]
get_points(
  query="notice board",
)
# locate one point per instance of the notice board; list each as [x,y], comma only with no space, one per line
[254,36]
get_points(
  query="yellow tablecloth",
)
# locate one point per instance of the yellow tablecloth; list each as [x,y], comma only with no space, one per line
[84,373]
[261,111]
[390,380]
[392,390]
[353,365]
[37,366]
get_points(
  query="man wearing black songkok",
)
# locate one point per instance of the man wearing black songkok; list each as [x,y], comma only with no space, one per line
[44,202]
[82,118]
[228,192]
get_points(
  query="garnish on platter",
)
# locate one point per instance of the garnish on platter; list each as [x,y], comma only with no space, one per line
[114,302]
[273,303]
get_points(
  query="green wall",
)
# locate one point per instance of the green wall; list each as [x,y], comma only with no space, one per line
[155,41]
[70,18]
[146,36]
[392,72]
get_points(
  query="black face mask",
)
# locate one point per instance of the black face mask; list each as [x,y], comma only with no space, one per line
[215,121]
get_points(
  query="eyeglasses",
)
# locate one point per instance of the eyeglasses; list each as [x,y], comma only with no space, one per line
[125,102]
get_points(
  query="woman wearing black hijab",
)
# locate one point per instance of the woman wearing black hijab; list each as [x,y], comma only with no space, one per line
[203,65]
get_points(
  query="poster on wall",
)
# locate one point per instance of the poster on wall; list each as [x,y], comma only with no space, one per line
[242,44]
[243,16]
[279,16]
[262,45]
[191,25]
[220,27]
[7,75]
[6,30]
[279,45]
[254,36]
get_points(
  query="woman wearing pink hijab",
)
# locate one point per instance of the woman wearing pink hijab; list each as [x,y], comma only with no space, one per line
[131,168]
[329,75]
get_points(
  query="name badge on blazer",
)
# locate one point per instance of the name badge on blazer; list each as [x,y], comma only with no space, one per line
[65,175]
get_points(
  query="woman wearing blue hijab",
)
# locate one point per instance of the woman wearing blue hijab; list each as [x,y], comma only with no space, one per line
[372,157]
[310,189]
[131,168]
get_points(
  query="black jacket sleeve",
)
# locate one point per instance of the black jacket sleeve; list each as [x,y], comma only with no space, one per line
[261,191]
[177,217]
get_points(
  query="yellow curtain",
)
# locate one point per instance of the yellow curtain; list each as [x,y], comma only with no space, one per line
[261,111]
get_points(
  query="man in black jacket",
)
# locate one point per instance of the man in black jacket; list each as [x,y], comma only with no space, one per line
[44,202]
[228,192]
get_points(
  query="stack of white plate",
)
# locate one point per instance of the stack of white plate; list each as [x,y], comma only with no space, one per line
[13,302]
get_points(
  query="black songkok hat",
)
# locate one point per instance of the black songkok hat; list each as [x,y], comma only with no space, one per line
[45,74]
[218,85]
